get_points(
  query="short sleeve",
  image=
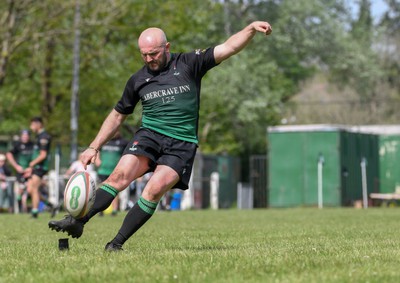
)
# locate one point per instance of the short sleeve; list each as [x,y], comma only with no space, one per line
[129,98]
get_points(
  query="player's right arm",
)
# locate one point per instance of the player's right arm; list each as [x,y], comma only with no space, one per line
[108,129]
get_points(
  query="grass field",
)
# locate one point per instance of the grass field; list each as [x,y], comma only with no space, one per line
[288,245]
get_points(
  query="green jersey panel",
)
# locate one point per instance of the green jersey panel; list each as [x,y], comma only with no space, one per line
[22,153]
[170,97]
[110,154]
[43,142]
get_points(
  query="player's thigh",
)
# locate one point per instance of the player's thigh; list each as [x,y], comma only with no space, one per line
[128,169]
[163,179]
[34,183]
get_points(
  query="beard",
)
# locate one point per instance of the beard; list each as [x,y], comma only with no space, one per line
[157,65]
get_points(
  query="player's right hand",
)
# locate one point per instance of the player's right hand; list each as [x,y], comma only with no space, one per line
[88,156]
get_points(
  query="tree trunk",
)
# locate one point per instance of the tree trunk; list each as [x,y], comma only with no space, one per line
[48,99]
[5,44]
[75,86]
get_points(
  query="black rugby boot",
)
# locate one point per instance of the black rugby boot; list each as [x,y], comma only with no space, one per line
[111,247]
[73,227]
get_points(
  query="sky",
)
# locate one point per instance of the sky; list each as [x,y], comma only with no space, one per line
[378,8]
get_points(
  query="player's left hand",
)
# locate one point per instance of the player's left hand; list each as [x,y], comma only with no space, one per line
[28,172]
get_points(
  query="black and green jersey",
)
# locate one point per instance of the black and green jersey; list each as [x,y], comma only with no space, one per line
[110,153]
[170,97]
[43,141]
[22,153]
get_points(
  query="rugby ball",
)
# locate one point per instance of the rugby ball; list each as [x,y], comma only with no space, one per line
[79,194]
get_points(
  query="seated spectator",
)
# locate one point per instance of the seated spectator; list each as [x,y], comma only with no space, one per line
[5,188]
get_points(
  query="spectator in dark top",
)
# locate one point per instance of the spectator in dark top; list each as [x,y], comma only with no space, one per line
[19,157]
[5,188]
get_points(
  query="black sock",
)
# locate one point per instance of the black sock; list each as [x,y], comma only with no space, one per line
[104,197]
[136,217]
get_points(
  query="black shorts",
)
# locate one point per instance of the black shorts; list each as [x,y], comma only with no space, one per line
[102,178]
[20,178]
[39,171]
[164,150]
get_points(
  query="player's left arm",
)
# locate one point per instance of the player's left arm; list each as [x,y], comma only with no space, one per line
[238,41]
[42,156]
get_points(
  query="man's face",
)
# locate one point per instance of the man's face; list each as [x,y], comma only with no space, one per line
[155,58]
[24,137]
[35,126]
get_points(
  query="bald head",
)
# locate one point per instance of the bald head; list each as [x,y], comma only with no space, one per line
[154,48]
[152,38]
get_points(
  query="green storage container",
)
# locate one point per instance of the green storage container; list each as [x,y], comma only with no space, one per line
[356,148]
[389,163]
[229,173]
[294,152]
[293,156]
[228,168]
[388,156]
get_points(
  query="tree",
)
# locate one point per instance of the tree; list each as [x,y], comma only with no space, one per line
[36,69]
[29,32]
[389,45]
[362,27]
[345,52]
[239,99]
